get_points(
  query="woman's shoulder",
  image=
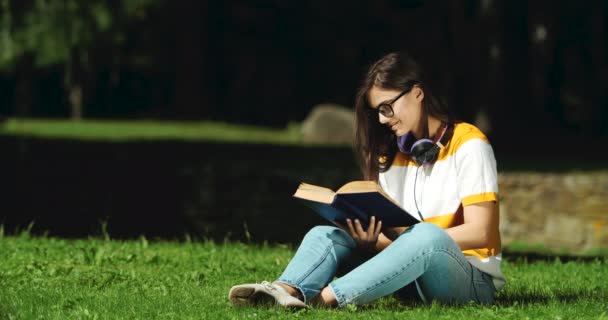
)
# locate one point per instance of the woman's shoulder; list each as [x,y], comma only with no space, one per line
[464,132]
[465,139]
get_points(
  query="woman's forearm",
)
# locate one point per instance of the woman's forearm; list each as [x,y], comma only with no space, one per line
[480,226]
[383,242]
[469,236]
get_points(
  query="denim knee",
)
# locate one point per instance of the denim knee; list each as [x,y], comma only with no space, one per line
[427,234]
[334,234]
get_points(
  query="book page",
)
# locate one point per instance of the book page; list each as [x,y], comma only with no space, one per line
[364,186]
[307,186]
[359,186]
[314,193]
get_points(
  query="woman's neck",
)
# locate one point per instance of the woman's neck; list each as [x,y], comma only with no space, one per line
[434,127]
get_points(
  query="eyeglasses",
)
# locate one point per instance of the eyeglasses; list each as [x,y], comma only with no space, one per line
[386,109]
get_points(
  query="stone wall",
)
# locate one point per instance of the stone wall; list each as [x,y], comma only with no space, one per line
[560,211]
[244,192]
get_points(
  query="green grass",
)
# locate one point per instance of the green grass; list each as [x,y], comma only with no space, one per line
[50,278]
[127,130]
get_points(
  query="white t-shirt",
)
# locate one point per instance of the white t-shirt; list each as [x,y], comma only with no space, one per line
[464,174]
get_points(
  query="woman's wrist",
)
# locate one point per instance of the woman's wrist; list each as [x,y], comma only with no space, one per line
[393,233]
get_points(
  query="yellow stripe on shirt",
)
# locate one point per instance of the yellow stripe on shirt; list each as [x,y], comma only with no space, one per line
[463,132]
[482,197]
[446,221]
[481,253]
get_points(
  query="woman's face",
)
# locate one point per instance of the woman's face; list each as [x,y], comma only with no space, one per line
[407,109]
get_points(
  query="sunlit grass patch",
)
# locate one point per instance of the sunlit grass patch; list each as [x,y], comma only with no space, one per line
[50,278]
[126,130]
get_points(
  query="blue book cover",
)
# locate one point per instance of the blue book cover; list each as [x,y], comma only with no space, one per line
[355,200]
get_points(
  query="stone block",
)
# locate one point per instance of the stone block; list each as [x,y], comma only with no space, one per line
[329,124]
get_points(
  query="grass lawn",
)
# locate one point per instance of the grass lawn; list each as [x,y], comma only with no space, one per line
[127,130]
[50,278]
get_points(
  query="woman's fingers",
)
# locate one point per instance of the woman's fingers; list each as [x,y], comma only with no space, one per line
[374,229]
[371,227]
[378,230]
[351,229]
[360,231]
[364,238]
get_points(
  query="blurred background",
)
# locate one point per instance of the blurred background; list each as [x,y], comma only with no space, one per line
[532,74]
[535,65]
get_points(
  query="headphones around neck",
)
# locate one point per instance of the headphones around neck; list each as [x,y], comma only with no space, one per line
[424,151]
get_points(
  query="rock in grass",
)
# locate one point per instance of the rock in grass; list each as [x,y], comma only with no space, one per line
[329,124]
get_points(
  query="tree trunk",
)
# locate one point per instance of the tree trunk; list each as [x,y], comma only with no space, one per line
[24,90]
[599,66]
[190,47]
[542,31]
[73,83]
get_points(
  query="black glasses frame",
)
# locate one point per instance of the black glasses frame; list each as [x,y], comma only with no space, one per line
[386,109]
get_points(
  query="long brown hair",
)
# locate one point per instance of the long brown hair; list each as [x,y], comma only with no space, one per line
[375,144]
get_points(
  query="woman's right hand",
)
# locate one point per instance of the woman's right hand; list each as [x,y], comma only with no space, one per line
[365,239]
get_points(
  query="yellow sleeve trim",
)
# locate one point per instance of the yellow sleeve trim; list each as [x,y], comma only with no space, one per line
[482,197]
[445,221]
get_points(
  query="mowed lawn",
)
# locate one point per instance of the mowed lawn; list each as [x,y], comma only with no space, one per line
[50,278]
[149,130]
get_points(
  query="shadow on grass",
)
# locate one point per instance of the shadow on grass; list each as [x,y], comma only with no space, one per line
[503,299]
[525,298]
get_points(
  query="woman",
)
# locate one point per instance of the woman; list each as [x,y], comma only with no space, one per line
[444,171]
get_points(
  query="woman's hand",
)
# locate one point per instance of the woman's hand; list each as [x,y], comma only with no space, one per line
[366,239]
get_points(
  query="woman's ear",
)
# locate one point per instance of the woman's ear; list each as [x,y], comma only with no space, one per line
[418,93]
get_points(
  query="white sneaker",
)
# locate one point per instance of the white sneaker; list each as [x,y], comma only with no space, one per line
[266,292]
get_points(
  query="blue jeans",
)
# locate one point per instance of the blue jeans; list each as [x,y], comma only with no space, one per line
[423,260]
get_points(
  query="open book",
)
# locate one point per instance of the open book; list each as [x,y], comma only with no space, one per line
[355,200]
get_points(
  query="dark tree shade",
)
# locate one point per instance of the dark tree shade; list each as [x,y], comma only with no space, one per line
[516,66]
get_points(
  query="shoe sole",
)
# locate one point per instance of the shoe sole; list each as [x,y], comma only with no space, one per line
[247,296]
[240,296]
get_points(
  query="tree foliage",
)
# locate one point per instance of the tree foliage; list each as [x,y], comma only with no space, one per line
[51,30]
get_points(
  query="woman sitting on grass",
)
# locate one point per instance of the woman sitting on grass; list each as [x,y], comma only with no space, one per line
[444,171]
